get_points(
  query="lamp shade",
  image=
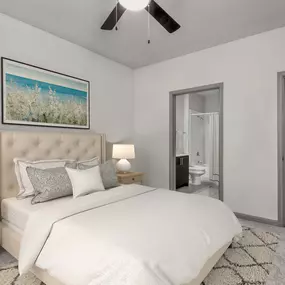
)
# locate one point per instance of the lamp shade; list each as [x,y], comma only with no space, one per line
[123,151]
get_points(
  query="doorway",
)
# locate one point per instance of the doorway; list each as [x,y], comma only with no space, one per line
[196,140]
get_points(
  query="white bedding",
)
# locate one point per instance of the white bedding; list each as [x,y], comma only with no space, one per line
[130,235]
[17,212]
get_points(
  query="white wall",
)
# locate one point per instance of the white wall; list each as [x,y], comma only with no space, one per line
[111,83]
[248,68]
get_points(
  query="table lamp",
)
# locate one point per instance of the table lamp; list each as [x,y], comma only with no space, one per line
[123,152]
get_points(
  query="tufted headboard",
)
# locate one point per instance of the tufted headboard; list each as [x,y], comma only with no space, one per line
[37,146]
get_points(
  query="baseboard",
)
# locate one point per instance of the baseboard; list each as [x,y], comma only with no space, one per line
[257,219]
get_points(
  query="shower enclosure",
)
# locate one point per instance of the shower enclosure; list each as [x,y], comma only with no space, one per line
[203,143]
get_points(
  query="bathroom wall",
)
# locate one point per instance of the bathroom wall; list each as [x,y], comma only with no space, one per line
[180,117]
[197,140]
[180,113]
[205,102]
[197,103]
[212,102]
[196,133]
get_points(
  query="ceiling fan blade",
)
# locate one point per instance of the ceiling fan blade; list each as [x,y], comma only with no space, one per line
[162,17]
[112,20]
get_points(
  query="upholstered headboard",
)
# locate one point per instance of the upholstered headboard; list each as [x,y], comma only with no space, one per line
[37,146]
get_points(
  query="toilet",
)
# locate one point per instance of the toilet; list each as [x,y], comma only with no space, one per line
[196,171]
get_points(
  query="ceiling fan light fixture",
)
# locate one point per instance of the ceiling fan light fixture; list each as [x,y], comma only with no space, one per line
[134,5]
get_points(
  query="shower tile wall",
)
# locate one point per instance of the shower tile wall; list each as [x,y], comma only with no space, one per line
[201,103]
[198,140]
[197,104]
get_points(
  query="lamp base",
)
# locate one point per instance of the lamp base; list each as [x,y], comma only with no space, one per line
[123,165]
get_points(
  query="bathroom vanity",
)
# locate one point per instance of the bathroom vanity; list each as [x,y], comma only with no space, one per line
[182,170]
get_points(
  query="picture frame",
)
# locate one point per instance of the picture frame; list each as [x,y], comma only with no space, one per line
[35,96]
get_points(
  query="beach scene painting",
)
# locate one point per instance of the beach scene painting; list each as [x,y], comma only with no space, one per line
[39,97]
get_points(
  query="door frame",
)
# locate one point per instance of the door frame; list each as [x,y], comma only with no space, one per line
[172,132]
[281,147]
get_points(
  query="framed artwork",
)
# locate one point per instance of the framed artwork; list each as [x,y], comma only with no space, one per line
[36,96]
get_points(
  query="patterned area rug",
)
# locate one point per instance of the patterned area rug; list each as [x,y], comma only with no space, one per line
[247,262]
[9,274]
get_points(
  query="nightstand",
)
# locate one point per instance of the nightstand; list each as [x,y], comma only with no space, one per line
[130,177]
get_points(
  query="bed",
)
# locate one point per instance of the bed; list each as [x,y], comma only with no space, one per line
[16,213]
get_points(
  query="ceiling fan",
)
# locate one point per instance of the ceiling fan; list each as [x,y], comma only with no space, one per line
[135,5]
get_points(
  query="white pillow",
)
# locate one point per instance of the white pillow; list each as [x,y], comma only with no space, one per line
[25,185]
[85,181]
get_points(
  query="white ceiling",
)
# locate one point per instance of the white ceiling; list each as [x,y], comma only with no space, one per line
[205,23]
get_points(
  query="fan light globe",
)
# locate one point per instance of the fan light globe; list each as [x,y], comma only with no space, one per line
[134,5]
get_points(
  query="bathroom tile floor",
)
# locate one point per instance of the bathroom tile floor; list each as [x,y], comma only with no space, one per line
[206,189]
[210,191]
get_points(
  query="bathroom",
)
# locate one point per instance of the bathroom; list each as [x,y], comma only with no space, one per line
[198,142]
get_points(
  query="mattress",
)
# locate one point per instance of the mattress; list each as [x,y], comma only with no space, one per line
[17,212]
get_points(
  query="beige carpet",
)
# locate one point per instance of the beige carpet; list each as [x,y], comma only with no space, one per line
[247,262]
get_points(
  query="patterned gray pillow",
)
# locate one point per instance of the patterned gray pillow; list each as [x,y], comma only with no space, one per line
[49,184]
[88,164]
[72,164]
[108,173]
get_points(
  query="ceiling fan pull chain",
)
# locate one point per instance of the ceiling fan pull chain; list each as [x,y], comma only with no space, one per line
[148,25]
[117,3]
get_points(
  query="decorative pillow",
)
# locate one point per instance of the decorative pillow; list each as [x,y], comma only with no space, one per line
[25,185]
[85,181]
[108,173]
[49,184]
[91,162]
[72,164]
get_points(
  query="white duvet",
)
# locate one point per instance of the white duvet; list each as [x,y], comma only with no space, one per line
[130,235]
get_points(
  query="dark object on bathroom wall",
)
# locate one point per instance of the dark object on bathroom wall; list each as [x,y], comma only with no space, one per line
[182,171]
